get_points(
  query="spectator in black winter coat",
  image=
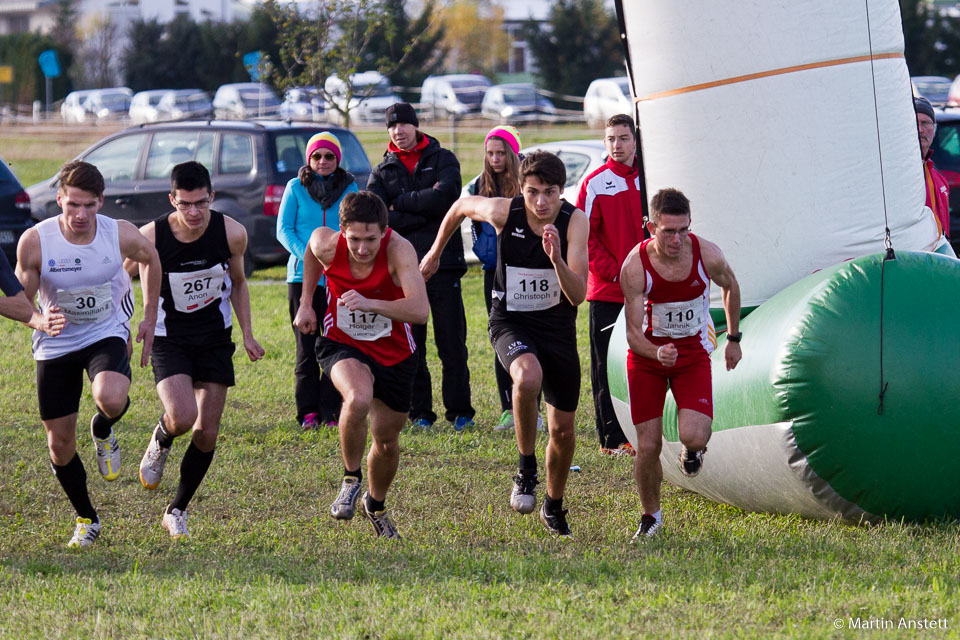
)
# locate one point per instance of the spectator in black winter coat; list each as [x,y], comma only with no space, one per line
[419,180]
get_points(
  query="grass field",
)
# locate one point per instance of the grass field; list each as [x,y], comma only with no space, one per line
[266,560]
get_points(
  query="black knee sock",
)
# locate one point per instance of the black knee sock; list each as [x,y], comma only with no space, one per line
[528,464]
[356,474]
[374,505]
[73,479]
[101,423]
[551,505]
[192,470]
[164,437]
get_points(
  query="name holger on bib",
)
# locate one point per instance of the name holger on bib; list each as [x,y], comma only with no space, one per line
[363,325]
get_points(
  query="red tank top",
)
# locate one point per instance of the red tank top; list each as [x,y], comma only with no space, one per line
[678,312]
[386,341]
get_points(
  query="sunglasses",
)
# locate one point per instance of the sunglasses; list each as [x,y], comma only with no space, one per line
[323,156]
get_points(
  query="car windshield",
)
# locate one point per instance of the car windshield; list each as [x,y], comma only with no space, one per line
[253,99]
[519,95]
[624,84]
[935,91]
[114,100]
[291,147]
[192,101]
[377,90]
[470,90]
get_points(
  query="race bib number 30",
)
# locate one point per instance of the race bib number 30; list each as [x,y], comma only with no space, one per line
[532,289]
[195,290]
[363,325]
[677,319]
[86,306]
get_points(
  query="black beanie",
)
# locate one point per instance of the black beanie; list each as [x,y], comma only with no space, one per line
[922,105]
[401,112]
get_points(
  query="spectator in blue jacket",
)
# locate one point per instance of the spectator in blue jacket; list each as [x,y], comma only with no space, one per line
[312,200]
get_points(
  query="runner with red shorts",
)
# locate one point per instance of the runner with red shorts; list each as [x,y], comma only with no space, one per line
[666,285]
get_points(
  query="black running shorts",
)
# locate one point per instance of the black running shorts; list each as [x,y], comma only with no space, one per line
[555,350]
[206,357]
[60,380]
[392,385]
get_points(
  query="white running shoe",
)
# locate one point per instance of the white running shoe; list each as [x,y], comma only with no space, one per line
[345,505]
[151,465]
[85,534]
[523,496]
[108,455]
[175,522]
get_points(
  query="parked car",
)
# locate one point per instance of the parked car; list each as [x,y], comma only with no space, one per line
[242,100]
[605,98]
[580,157]
[453,95]
[302,103]
[108,104]
[372,94]
[14,212]
[143,106]
[945,152]
[182,104]
[936,89]
[515,103]
[250,164]
[71,109]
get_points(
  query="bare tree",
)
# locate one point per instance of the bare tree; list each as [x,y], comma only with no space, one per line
[99,51]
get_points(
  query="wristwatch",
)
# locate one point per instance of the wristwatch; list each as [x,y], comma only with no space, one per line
[735,337]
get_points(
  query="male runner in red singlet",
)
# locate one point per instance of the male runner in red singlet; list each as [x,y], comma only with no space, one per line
[374,293]
[666,284]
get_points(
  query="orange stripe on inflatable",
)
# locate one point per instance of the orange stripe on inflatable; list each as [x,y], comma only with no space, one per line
[767,74]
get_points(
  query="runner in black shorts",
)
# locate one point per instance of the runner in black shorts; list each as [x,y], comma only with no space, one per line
[375,292]
[540,279]
[73,263]
[201,251]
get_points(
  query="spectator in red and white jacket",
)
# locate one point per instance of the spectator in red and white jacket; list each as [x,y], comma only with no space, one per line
[610,196]
[935,185]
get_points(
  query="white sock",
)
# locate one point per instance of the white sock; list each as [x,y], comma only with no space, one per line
[658,515]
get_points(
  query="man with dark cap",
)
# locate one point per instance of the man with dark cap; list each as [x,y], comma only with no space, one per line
[419,180]
[935,185]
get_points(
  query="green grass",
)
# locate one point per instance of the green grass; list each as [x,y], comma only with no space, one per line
[266,560]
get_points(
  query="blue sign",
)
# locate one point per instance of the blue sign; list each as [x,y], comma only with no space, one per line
[251,62]
[49,63]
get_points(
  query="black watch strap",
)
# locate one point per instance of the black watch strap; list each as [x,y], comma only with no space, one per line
[735,337]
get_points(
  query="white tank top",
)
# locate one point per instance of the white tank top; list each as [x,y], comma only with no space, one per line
[88,282]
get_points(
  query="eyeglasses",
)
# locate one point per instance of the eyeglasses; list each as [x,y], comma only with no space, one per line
[323,156]
[670,233]
[201,205]
[926,125]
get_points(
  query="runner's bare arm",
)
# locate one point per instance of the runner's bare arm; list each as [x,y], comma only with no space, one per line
[413,306]
[720,272]
[240,293]
[28,262]
[633,283]
[572,272]
[21,306]
[479,209]
[320,251]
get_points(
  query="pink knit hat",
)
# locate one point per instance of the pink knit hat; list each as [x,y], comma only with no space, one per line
[324,140]
[507,133]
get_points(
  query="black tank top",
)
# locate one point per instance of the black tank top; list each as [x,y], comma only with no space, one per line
[195,289]
[525,286]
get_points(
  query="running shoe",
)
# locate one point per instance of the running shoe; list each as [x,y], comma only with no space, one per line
[333,423]
[175,522]
[85,534]
[345,505]
[151,465]
[310,421]
[108,455]
[556,522]
[506,422]
[690,462]
[381,521]
[421,423]
[523,496]
[649,526]
[626,449]
[463,422]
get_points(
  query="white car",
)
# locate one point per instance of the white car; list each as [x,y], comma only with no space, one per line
[605,98]
[143,106]
[242,100]
[372,94]
[108,104]
[454,95]
[580,157]
[71,109]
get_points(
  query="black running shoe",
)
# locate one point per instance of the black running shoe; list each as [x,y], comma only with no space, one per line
[649,526]
[556,522]
[380,520]
[690,462]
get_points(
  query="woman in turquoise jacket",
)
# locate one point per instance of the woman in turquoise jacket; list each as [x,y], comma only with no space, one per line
[312,200]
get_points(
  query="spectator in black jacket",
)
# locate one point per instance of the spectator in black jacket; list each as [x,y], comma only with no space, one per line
[419,180]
